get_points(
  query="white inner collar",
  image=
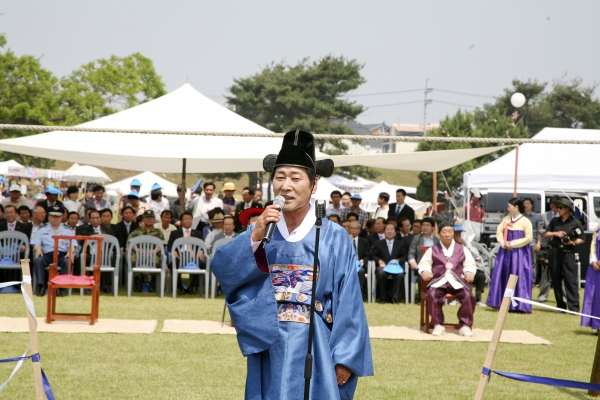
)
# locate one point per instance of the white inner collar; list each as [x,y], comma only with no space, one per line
[300,232]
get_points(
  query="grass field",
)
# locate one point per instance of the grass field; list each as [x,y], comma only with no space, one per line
[185,366]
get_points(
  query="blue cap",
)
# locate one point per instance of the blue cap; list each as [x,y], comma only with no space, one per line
[393,267]
[1,179]
[135,182]
[52,190]
[133,193]
[156,186]
[458,227]
[356,196]
[358,266]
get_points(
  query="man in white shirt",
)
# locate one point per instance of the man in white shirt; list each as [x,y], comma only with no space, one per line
[335,208]
[16,199]
[165,226]
[449,268]
[204,204]
[382,200]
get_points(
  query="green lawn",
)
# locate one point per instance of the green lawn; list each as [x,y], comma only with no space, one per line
[185,366]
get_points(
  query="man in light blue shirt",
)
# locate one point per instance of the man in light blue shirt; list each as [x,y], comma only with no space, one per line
[43,246]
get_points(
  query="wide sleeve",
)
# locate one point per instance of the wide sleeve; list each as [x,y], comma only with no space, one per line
[349,341]
[426,263]
[249,295]
[500,231]
[593,255]
[525,225]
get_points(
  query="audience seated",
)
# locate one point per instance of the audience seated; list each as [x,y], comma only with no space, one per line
[43,245]
[449,268]
[382,253]
[186,219]
[147,229]
[165,225]
[362,249]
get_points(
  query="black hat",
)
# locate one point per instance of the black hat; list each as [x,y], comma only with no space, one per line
[56,210]
[444,219]
[298,149]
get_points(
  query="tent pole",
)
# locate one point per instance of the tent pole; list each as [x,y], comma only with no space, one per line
[183,188]
[516,171]
[434,191]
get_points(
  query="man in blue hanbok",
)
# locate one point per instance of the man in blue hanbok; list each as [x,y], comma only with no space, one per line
[269,289]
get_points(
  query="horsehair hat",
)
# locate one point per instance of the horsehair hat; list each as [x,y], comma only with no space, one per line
[444,219]
[298,149]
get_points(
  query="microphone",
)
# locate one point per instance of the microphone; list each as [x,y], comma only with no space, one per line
[279,201]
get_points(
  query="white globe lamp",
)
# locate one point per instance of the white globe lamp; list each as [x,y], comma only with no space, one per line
[517,100]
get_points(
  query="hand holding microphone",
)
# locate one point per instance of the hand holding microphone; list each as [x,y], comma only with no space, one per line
[265,225]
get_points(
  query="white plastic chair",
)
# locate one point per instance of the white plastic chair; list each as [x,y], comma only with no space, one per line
[145,248]
[11,243]
[110,245]
[188,249]
[213,278]
[370,275]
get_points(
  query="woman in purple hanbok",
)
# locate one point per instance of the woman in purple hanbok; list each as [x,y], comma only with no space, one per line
[514,257]
[591,297]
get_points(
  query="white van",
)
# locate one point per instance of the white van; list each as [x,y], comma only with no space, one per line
[494,202]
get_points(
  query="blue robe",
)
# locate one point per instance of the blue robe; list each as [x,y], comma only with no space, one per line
[276,349]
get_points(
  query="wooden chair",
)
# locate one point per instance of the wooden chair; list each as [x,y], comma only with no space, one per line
[69,281]
[425,317]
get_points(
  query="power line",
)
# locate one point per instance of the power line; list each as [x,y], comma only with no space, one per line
[395,104]
[465,94]
[380,93]
[454,104]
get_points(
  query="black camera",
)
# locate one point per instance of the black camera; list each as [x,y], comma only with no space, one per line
[571,236]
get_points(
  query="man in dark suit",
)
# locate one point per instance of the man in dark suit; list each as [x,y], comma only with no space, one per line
[400,209]
[382,253]
[186,231]
[93,227]
[248,197]
[379,228]
[363,252]
[105,221]
[404,229]
[25,216]
[11,224]
[124,228]
[52,194]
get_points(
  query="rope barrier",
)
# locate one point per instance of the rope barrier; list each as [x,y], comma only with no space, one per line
[541,380]
[432,139]
[34,357]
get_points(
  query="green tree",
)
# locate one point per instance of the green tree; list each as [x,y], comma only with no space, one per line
[564,104]
[31,95]
[463,124]
[28,95]
[105,86]
[306,95]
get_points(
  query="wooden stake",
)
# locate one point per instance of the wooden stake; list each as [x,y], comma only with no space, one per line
[489,359]
[435,191]
[516,171]
[596,370]
[33,339]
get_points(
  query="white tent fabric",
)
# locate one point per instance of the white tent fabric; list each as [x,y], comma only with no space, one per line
[578,169]
[347,185]
[148,179]
[72,168]
[86,173]
[369,197]
[184,109]
[429,161]
[324,189]
[5,165]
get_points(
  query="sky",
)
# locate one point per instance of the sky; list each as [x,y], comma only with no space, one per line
[471,47]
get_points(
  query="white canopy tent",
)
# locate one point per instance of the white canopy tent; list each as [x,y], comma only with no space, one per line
[86,173]
[5,167]
[147,179]
[184,109]
[429,161]
[369,197]
[538,168]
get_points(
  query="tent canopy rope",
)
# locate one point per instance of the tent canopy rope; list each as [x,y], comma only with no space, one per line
[317,136]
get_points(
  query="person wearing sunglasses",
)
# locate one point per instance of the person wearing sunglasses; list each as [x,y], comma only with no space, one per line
[564,232]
